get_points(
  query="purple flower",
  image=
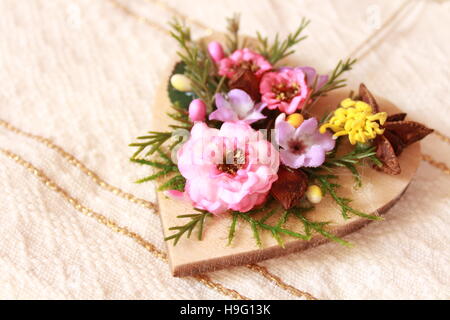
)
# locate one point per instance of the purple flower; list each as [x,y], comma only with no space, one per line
[304,146]
[237,105]
[310,75]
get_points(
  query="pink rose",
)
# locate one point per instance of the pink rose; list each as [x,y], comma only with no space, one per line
[228,169]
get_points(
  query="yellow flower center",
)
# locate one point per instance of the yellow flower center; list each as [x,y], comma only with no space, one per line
[355,119]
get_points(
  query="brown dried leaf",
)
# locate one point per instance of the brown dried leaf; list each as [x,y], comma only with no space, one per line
[368,98]
[398,134]
[408,131]
[395,141]
[290,186]
[386,154]
[396,117]
[246,80]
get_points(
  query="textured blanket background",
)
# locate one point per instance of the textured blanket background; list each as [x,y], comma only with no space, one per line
[83,74]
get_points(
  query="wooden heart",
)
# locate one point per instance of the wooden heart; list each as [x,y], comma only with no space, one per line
[191,256]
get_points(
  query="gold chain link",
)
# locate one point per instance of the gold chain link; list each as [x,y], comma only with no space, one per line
[150,205]
[186,18]
[387,22]
[77,163]
[442,136]
[277,280]
[439,165]
[139,18]
[111,224]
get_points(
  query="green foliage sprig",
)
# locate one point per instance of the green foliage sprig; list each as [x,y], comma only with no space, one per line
[163,167]
[334,81]
[197,220]
[181,116]
[352,159]
[278,230]
[281,49]
[154,140]
[318,227]
[232,38]
[198,66]
[329,187]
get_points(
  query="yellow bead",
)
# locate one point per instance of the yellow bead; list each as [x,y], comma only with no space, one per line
[181,82]
[314,194]
[295,120]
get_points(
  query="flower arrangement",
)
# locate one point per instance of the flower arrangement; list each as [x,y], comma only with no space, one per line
[244,142]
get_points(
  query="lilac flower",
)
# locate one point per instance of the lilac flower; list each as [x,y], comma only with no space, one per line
[310,75]
[237,105]
[304,146]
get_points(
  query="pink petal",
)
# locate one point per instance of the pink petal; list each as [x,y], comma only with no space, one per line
[292,160]
[283,131]
[253,117]
[293,105]
[215,50]
[310,74]
[240,102]
[223,114]
[308,127]
[315,156]
[321,81]
[325,140]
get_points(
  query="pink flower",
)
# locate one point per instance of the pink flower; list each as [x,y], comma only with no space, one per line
[285,89]
[228,169]
[244,59]
[311,75]
[237,105]
[215,50]
[197,110]
[304,146]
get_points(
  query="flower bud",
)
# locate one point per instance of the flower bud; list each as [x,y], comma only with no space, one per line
[314,194]
[197,110]
[216,51]
[295,120]
[180,82]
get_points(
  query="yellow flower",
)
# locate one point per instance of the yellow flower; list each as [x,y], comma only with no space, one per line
[355,119]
